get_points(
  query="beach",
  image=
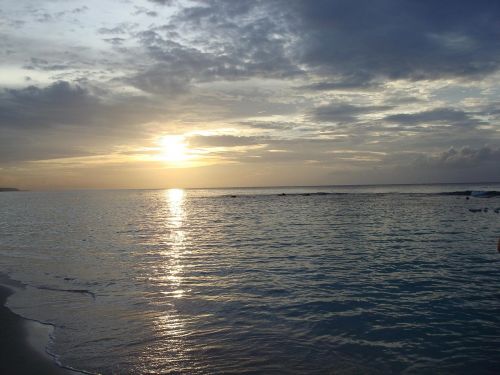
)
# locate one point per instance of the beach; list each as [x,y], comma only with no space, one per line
[18,354]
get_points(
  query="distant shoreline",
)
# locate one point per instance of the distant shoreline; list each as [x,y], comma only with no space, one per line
[3,189]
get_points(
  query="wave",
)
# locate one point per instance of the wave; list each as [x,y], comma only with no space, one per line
[474,193]
[305,194]
[15,286]
[466,193]
[80,291]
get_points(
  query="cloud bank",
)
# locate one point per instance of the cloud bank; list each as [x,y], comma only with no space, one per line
[338,91]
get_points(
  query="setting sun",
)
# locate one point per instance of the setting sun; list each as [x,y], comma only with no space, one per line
[173,148]
[254,186]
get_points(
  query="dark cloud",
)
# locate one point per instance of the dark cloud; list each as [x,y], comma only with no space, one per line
[75,11]
[271,125]
[115,41]
[342,112]
[79,10]
[44,17]
[163,2]
[59,103]
[343,85]
[446,116]
[122,28]
[493,109]
[42,64]
[16,148]
[347,45]
[358,41]
[224,141]
[64,103]
[162,80]
[238,48]
[48,121]
[146,11]
[399,38]
[219,11]
[271,150]
[464,157]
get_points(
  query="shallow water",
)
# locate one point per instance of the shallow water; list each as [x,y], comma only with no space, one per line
[377,280]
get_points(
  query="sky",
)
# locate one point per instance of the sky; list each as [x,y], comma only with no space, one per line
[219,93]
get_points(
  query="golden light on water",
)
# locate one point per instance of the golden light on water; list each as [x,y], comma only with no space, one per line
[168,271]
[175,199]
[170,349]
[176,250]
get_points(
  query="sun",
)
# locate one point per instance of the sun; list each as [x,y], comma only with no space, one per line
[173,148]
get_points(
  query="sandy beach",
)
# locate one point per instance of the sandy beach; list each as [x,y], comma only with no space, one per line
[21,344]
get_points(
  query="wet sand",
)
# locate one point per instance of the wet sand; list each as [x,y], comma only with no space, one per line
[17,355]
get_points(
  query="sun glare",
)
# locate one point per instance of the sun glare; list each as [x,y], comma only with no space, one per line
[173,148]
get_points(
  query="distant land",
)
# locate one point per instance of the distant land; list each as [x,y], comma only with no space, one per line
[8,189]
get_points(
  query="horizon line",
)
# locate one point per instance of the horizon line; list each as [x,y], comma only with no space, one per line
[262,187]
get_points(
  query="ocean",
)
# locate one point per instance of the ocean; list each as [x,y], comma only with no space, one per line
[344,280]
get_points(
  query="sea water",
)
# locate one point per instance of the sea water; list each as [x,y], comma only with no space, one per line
[353,280]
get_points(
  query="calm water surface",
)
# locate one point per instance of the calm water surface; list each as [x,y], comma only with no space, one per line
[376,280]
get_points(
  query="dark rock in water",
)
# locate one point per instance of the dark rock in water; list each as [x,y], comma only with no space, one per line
[497,210]
[282,194]
[485,209]
[8,189]
[475,209]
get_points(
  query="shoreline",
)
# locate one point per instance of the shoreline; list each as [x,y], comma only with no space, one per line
[23,342]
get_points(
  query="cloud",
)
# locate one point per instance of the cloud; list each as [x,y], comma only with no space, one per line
[320,84]
[448,116]
[69,119]
[355,43]
[115,41]
[272,125]
[343,112]
[42,64]
[465,157]
[242,45]
[146,11]
[66,104]
[224,141]
[122,28]
[398,39]
[163,2]
[59,103]
[344,84]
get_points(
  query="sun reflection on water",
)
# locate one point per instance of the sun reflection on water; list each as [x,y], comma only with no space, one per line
[176,240]
[170,348]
